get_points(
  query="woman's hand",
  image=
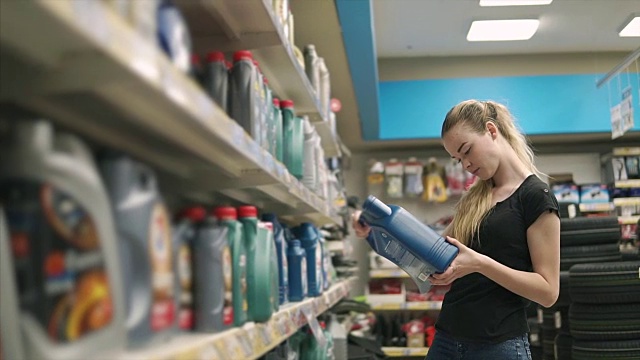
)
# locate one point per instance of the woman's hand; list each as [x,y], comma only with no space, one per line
[466,262]
[362,230]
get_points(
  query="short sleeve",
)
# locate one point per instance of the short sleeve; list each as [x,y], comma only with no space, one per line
[537,200]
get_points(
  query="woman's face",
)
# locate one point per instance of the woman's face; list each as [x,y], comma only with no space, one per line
[478,153]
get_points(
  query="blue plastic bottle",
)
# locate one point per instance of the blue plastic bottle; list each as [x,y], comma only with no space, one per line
[297,271]
[308,237]
[400,237]
[281,251]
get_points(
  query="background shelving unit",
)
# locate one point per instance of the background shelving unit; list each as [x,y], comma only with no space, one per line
[253,25]
[249,342]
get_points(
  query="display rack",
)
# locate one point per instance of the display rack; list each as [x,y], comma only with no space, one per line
[253,25]
[252,340]
[95,75]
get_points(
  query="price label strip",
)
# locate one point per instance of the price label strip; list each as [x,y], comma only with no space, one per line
[244,338]
[227,350]
[208,352]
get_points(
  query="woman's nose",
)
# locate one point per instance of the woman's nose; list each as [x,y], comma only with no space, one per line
[467,164]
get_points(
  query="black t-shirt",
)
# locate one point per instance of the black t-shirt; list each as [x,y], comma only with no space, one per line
[478,309]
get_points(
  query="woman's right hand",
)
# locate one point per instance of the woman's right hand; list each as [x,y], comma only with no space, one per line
[362,230]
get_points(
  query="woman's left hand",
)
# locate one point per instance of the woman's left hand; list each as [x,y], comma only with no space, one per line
[466,262]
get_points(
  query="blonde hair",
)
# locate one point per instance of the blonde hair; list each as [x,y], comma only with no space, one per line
[476,203]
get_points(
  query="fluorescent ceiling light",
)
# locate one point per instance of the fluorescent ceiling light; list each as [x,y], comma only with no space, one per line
[632,29]
[514,2]
[502,30]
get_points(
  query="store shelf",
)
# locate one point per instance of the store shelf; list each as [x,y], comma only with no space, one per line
[99,78]
[627,183]
[412,305]
[404,351]
[626,151]
[597,207]
[631,201]
[253,25]
[249,342]
[387,273]
[628,220]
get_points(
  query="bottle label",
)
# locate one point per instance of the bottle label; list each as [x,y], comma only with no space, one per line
[393,250]
[227,273]
[58,260]
[163,303]
[186,316]
[303,275]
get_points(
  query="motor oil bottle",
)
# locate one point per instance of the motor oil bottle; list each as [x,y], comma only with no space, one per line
[259,294]
[309,165]
[326,260]
[277,123]
[214,282]
[216,78]
[308,237]
[184,237]
[228,216]
[65,267]
[262,99]
[324,95]
[292,139]
[281,252]
[312,68]
[297,260]
[146,250]
[244,95]
[269,129]
[272,283]
[400,237]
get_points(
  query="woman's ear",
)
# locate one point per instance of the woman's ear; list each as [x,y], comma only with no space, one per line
[493,129]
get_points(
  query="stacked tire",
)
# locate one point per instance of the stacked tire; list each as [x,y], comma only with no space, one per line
[589,240]
[604,316]
[583,240]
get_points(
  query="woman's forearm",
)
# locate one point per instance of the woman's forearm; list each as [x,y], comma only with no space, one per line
[530,285]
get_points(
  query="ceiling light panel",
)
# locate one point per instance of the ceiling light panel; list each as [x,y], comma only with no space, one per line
[514,2]
[502,30]
[632,29]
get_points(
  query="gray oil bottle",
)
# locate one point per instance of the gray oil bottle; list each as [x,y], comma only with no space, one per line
[244,94]
[146,250]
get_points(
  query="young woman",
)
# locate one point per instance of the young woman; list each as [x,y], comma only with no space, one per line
[507,230]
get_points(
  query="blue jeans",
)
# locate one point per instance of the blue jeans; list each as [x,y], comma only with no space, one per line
[445,347]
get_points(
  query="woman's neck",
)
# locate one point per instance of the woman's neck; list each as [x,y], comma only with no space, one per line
[511,171]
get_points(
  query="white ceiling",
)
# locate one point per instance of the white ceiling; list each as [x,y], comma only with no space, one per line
[408,28]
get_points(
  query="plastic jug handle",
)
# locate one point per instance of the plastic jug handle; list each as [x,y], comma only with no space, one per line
[73,146]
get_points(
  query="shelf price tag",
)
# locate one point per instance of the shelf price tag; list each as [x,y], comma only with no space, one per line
[297,317]
[281,325]
[187,355]
[205,108]
[317,331]
[173,88]
[226,350]
[91,16]
[245,341]
[265,335]
[208,352]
